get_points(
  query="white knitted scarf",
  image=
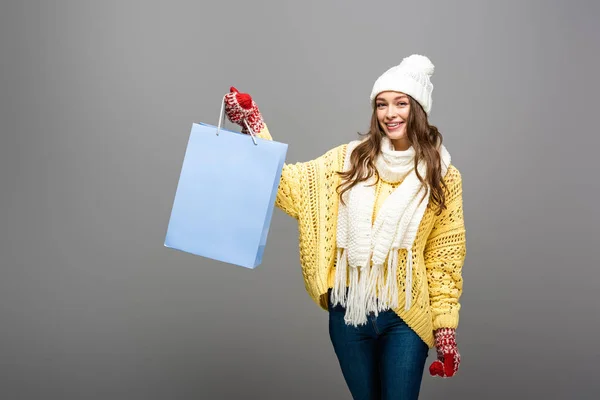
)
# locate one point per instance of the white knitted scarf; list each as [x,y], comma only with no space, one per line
[363,246]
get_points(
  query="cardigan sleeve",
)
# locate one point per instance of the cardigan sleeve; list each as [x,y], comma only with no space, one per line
[445,253]
[298,181]
[292,188]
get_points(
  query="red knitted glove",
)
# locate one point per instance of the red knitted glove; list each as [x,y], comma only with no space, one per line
[240,106]
[448,356]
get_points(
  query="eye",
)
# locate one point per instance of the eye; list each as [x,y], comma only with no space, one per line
[379,105]
[402,103]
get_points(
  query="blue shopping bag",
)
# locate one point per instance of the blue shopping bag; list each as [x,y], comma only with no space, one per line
[225,195]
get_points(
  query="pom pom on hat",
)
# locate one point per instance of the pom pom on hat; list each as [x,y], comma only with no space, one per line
[412,77]
[419,63]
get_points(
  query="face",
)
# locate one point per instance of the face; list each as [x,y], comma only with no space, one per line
[392,113]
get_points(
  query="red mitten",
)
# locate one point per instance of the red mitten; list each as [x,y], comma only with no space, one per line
[240,107]
[447,351]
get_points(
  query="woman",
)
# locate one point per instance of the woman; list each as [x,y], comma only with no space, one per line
[382,237]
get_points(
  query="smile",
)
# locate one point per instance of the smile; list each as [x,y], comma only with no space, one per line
[394,124]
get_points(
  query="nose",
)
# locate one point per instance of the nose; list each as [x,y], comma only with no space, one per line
[391,112]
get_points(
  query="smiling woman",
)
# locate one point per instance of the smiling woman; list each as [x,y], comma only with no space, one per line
[392,112]
[382,237]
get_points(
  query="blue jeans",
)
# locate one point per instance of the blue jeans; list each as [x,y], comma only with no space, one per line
[383,359]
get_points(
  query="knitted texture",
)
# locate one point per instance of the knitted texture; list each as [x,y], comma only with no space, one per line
[307,192]
[412,76]
[364,245]
[448,360]
[240,107]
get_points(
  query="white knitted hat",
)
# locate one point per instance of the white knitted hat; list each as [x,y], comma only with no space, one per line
[410,77]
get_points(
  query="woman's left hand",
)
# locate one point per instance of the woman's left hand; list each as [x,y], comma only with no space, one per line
[448,356]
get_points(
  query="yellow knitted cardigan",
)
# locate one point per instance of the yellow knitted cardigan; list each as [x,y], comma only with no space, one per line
[307,192]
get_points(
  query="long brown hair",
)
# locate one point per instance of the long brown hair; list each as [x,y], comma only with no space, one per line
[423,137]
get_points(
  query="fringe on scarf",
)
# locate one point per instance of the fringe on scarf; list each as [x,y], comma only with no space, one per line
[369,289]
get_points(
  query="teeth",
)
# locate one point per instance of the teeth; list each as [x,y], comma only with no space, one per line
[393,125]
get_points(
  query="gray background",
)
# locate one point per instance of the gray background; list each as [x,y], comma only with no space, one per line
[97,100]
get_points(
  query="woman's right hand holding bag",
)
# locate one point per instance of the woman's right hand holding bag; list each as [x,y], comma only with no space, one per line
[241,109]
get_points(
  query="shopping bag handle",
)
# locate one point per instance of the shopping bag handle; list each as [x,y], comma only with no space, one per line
[222,122]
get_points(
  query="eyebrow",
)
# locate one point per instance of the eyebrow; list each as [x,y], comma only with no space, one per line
[397,98]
